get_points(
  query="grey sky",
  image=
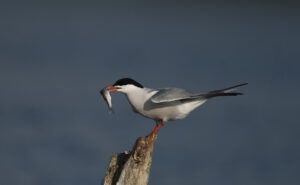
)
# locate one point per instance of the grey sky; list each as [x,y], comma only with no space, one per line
[56,56]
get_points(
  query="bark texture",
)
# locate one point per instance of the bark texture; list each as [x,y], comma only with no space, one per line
[132,168]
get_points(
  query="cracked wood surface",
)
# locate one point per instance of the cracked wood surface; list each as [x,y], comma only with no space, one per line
[132,168]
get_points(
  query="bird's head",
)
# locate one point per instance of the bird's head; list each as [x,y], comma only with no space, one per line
[124,85]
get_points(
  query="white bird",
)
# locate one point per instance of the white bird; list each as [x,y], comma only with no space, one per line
[167,104]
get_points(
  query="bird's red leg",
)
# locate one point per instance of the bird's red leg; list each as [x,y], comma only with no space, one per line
[157,127]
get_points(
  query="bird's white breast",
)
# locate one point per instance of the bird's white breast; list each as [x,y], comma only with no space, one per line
[138,98]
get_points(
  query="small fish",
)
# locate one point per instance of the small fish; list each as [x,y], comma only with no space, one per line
[106,96]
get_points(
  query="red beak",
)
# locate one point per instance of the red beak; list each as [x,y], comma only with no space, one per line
[112,88]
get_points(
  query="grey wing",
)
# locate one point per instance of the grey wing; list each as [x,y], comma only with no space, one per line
[172,94]
[176,94]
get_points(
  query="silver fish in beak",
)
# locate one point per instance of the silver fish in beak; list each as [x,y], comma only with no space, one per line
[107,98]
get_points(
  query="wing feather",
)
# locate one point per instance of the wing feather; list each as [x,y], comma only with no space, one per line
[171,94]
[177,94]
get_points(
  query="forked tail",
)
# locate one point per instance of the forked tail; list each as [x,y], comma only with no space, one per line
[229,91]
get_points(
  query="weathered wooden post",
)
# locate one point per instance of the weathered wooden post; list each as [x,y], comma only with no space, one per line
[132,168]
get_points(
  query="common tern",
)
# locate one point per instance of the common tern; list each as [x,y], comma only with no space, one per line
[167,104]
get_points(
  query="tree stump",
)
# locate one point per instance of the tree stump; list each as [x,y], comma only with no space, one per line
[132,168]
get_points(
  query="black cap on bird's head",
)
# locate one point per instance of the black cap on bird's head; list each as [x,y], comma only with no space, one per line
[127,81]
[117,86]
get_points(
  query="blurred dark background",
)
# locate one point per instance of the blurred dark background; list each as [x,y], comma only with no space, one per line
[55,56]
